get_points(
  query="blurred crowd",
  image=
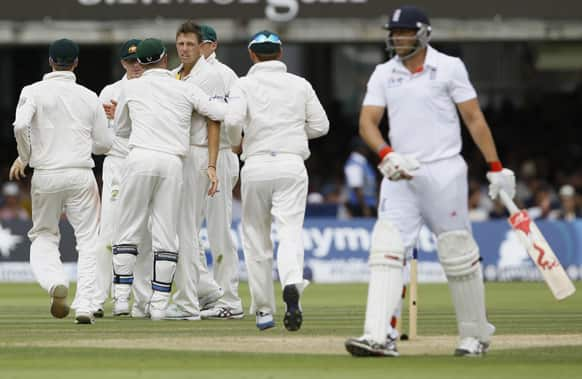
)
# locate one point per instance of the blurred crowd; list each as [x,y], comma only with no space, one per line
[539,141]
[356,193]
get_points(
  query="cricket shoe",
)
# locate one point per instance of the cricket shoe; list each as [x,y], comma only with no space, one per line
[210,300]
[265,320]
[120,307]
[138,312]
[82,317]
[59,306]
[99,313]
[293,317]
[471,347]
[176,312]
[362,347]
[222,313]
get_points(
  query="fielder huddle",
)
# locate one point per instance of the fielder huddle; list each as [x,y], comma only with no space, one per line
[170,138]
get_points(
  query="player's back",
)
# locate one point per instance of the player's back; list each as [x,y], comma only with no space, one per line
[160,112]
[278,110]
[65,116]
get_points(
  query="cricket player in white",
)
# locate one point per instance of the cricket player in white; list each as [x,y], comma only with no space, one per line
[58,125]
[225,267]
[425,180]
[155,112]
[278,113]
[195,286]
[112,171]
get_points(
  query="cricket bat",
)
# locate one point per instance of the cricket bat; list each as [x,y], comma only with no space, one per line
[539,250]
[412,298]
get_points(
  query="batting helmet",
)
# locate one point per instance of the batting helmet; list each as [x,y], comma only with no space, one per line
[409,17]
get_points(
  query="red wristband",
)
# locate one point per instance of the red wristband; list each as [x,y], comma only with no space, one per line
[384,150]
[495,166]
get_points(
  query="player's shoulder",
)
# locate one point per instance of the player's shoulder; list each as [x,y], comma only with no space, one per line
[30,88]
[81,90]
[385,68]
[110,89]
[225,68]
[443,60]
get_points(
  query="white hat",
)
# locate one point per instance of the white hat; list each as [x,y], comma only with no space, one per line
[567,190]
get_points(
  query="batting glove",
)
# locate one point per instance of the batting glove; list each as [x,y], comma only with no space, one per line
[501,180]
[396,166]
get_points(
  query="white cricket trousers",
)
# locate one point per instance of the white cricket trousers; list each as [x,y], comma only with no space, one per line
[436,196]
[274,187]
[151,187]
[113,167]
[193,280]
[218,214]
[75,192]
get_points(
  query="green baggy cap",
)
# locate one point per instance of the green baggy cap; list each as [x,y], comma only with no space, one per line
[150,51]
[63,52]
[129,49]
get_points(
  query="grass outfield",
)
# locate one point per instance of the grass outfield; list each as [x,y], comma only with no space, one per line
[34,345]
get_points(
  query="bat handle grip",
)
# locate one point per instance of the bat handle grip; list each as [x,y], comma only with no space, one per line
[508,202]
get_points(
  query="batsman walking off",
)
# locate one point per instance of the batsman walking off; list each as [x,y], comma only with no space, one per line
[425,180]
[278,113]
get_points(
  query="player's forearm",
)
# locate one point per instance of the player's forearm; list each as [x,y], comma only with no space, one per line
[370,133]
[213,129]
[22,142]
[483,138]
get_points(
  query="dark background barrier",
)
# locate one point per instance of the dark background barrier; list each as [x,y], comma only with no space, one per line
[337,251]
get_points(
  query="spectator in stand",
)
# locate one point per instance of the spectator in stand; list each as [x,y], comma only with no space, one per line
[11,208]
[498,211]
[542,203]
[569,211]
[476,210]
[361,182]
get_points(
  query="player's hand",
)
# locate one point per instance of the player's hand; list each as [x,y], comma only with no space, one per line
[396,166]
[213,181]
[17,170]
[501,180]
[110,109]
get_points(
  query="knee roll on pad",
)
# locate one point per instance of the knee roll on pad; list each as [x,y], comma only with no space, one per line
[124,257]
[458,253]
[387,248]
[164,270]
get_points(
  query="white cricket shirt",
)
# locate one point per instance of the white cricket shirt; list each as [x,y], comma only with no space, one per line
[110,92]
[277,111]
[155,111]
[59,123]
[422,114]
[208,79]
[226,73]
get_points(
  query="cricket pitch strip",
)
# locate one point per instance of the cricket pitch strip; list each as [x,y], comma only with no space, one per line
[298,344]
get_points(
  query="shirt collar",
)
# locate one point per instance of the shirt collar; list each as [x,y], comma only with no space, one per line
[430,60]
[268,66]
[197,67]
[211,58]
[62,75]
[157,72]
